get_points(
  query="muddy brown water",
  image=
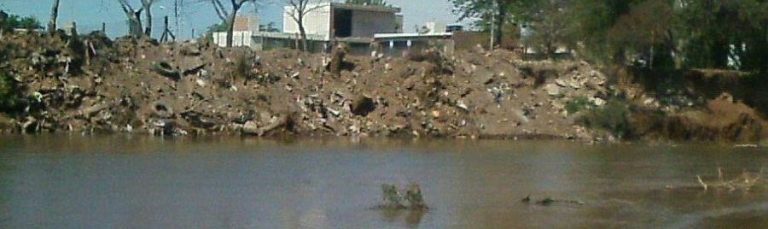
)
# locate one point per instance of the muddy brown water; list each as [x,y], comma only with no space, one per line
[140,182]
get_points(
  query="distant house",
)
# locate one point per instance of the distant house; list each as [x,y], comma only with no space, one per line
[353,24]
[364,28]
[432,34]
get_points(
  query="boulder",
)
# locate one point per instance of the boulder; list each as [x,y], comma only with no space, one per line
[552,90]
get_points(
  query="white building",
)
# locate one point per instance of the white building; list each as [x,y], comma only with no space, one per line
[327,22]
[338,20]
[244,29]
[363,28]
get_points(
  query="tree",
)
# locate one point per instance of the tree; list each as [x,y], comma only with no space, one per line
[54,16]
[646,33]
[549,22]
[147,5]
[299,10]
[134,18]
[135,26]
[496,10]
[11,22]
[228,16]
[592,20]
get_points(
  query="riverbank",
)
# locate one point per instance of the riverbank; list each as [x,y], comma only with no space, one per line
[90,84]
[140,86]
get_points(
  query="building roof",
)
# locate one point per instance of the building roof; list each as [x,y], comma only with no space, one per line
[359,7]
[405,36]
[354,7]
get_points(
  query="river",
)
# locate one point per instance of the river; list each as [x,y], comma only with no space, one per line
[142,182]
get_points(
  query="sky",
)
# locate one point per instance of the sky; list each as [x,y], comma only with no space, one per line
[90,14]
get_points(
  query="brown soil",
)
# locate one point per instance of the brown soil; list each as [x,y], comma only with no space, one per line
[91,84]
[700,108]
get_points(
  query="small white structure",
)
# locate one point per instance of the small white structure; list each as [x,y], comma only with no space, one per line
[239,38]
[435,27]
[242,35]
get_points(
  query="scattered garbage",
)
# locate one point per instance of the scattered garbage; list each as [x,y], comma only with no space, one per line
[196,88]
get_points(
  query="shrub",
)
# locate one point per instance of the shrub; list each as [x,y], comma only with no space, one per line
[10,22]
[243,65]
[9,100]
[578,104]
[613,117]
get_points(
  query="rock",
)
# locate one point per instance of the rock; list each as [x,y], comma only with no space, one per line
[250,128]
[333,112]
[190,50]
[462,105]
[284,122]
[200,82]
[552,90]
[436,114]
[560,82]
[362,105]
[575,84]
[598,101]
[92,110]
[198,120]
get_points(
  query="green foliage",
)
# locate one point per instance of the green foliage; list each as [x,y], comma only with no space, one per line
[368,2]
[10,22]
[501,11]
[613,117]
[549,22]
[8,93]
[243,65]
[674,34]
[577,104]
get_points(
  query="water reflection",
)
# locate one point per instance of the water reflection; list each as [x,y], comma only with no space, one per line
[411,218]
[134,182]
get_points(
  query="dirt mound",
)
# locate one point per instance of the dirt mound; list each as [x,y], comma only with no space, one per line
[128,85]
[723,119]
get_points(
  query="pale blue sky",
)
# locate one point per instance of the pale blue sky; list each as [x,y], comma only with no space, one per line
[89,14]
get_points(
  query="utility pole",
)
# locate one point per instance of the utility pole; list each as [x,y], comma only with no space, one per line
[167,32]
[493,29]
[176,16]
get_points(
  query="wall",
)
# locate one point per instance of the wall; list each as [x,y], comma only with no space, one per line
[247,23]
[317,21]
[239,38]
[368,23]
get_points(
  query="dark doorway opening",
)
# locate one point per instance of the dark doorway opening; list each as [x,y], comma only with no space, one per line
[342,23]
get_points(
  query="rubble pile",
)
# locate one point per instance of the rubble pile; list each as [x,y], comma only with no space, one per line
[195,88]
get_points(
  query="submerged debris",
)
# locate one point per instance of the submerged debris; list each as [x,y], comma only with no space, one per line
[744,182]
[410,199]
[549,201]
